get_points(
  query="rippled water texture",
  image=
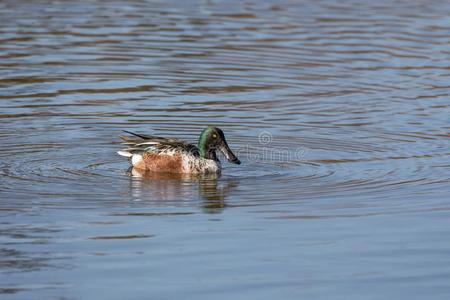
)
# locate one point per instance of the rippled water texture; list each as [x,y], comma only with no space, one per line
[338,111]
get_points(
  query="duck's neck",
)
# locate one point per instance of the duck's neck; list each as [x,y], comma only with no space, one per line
[205,150]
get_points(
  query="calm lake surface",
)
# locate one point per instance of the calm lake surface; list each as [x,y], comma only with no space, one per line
[339,113]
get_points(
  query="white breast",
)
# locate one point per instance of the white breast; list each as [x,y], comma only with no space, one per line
[193,164]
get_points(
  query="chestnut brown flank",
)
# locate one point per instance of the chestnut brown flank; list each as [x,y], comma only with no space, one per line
[161,163]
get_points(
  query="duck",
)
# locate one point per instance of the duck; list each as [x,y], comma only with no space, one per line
[172,155]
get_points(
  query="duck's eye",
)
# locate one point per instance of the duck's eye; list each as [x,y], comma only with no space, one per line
[214,136]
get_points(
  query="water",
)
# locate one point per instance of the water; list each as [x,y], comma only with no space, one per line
[338,111]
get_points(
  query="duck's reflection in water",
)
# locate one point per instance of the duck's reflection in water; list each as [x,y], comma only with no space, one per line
[181,189]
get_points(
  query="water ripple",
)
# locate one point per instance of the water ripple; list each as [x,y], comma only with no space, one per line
[355,101]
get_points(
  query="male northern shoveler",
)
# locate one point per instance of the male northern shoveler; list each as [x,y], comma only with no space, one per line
[158,154]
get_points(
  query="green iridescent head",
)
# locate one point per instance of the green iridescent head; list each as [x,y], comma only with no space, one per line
[212,139]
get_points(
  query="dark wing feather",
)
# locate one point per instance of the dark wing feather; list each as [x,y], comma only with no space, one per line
[149,143]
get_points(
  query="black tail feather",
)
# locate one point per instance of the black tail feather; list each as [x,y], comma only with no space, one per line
[135,134]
